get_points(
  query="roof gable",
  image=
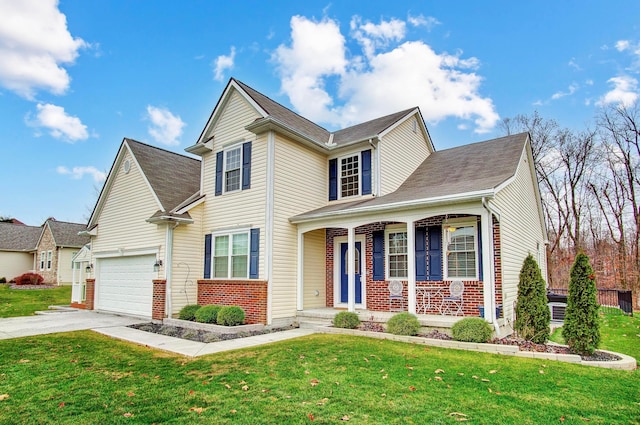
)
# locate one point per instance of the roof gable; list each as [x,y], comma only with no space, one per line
[67,234]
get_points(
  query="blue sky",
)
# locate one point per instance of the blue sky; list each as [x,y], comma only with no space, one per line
[78,76]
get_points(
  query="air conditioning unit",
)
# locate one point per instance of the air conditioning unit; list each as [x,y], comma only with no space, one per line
[557,311]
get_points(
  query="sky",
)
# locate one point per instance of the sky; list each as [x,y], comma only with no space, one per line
[77,76]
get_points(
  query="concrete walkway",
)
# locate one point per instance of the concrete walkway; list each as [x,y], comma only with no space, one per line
[117,327]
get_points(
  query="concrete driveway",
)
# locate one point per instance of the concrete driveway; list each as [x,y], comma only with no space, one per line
[62,321]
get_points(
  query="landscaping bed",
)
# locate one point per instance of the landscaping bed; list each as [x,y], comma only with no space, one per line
[204,335]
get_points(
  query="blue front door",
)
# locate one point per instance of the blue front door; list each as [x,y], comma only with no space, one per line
[344,278]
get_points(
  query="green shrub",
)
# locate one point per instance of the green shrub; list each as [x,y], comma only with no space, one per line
[403,324]
[188,312]
[346,320]
[472,329]
[207,314]
[231,315]
[532,313]
[3,280]
[581,329]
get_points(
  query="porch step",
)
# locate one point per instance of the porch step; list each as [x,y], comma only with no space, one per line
[313,322]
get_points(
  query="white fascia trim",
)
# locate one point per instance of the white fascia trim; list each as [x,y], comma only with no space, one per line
[169,218]
[398,122]
[127,252]
[270,123]
[192,205]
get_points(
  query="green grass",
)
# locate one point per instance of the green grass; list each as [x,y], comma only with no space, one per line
[619,333]
[86,378]
[25,302]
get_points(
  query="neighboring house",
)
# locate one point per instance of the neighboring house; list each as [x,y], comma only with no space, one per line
[281,216]
[17,246]
[59,241]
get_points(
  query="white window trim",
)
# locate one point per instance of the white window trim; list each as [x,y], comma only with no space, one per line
[225,151]
[43,259]
[395,228]
[339,160]
[230,234]
[49,259]
[446,237]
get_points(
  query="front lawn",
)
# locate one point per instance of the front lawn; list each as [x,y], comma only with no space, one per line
[25,302]
[87,378]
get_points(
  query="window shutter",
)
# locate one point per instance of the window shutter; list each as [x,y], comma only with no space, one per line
[421,254]
[246,165]
[219,160]
[366,172]
[378,255]
[435,253]
[254,255]
[333,179]
[207,256]
[479,251]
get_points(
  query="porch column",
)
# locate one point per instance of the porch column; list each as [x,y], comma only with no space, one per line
[488,287]
[351,269]
[411,266]
[300,269]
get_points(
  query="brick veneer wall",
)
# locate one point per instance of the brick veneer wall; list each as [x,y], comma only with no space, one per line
[90,294]
[251,295]
[377,292]
[159,299]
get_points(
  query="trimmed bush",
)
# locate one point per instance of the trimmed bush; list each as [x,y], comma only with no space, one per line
[472,329]
[346,320]
[532,313]
[3,280]
[29,279]
[207,314]
[231,315]
[188,312]
[581,329]
[403,324]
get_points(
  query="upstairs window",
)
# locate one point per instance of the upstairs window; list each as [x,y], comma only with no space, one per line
[232,169]
[350,176]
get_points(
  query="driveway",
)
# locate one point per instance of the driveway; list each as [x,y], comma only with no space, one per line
[63,321]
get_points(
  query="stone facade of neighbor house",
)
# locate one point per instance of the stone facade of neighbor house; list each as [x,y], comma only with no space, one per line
[59,241]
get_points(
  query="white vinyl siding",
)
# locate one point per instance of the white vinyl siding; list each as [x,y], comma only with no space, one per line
[315,269]
[401,151]
[13,264]
[65,265]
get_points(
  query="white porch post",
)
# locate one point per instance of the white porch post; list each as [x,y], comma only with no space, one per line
[300,283]
[351,269]
[411,265]
[488,287]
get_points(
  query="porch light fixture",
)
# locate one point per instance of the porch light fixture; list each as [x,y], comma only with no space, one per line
[157,265]
[451,228]
[89,268]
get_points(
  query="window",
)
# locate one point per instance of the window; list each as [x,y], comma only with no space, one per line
[42,259]
[231,256]
[461,251]
[397,257]
[232,169]
[49,257]
[350,176]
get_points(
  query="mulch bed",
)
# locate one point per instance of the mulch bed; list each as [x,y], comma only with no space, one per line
[200,335]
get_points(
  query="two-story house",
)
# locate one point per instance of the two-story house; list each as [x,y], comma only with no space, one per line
[282,216]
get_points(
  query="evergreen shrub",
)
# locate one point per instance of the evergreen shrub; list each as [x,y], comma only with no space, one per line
[188,312]
[346,320]
[231,315]
[403,324]
[533,317]
[472,329]
[207,314]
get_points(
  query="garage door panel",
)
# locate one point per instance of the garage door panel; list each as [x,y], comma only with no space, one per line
[124,284]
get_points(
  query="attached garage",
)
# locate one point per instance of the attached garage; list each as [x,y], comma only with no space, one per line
[124,284]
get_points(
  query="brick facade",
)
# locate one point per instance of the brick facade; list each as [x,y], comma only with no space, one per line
[251,295]
[377,292]
[90,293]
[159,299]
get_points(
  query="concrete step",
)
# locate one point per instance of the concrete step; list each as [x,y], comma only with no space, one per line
[313,323]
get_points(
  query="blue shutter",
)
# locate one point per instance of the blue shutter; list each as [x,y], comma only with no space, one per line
[435,253]
[207,256]
[333,179]
[421,254]
[219,160]
[378,256]
[480,251]
[254,254]
[246,165]
[366,172]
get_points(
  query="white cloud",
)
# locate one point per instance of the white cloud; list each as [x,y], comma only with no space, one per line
[79,172]
[165,128]
[573,64]
[421,21]
[35,44]
[622,45]
[391,75]
[571,90]
[624,92]
[222,63]
[60,125]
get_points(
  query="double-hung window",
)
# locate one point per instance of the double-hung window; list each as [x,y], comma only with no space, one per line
[232,169]
[397,254]
[231,255]
[43,256]
[49,259]
[462,250]
[350,176]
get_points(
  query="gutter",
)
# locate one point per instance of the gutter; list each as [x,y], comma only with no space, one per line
[169,218]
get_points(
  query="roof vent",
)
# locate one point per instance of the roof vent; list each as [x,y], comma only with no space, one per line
[127,166]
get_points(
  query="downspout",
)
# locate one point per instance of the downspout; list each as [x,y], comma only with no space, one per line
[492,284]
[168,269]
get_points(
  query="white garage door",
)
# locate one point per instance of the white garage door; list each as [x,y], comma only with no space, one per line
[124,284]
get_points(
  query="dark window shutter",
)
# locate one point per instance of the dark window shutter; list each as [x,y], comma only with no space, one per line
[378,255]
[246,165]
[254,255]
[207,256]
[421,254]
[435,253]
[219,160]
[479,252]
[333,179]
[366,172]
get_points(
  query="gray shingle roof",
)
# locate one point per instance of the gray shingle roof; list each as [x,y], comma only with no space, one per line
[66,234]
[368,129]
[457,171]
[18,237]
[173,177]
